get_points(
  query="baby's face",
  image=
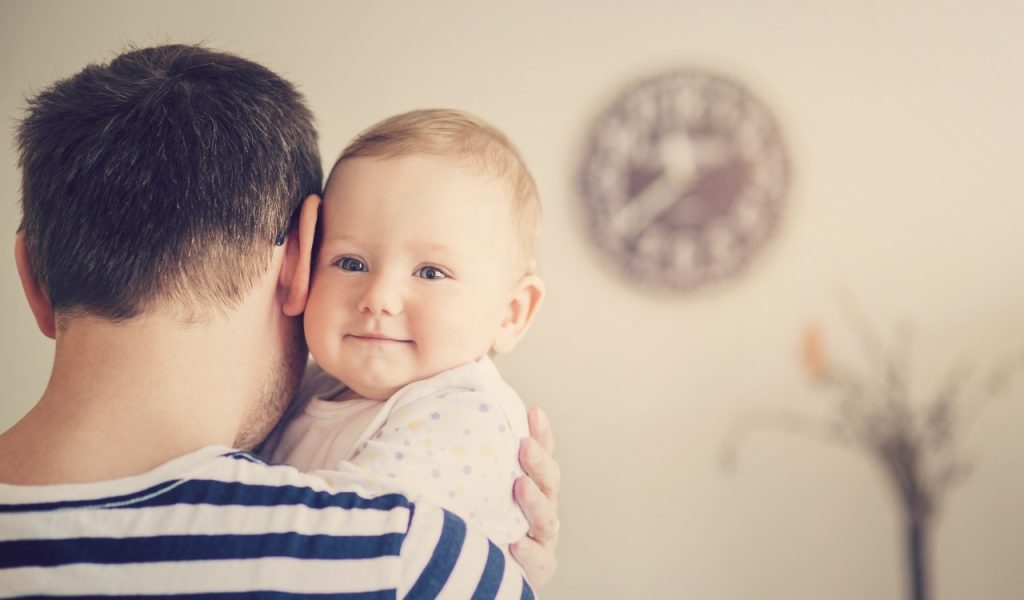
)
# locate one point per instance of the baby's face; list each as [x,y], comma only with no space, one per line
[414,272]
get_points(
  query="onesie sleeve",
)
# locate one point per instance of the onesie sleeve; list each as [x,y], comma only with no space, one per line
[453,447]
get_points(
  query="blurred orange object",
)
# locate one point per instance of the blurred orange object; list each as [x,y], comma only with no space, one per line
[813,352]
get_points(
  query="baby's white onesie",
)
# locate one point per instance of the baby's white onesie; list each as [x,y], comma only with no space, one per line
[452,439]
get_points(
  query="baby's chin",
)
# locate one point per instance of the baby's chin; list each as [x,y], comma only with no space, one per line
[360,387]
[372,377]
[375,382]
[361,391]
[364,382]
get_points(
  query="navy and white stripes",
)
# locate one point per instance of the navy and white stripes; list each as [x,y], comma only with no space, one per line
[219,523]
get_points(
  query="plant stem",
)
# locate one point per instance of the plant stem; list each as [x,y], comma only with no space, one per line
[917,554]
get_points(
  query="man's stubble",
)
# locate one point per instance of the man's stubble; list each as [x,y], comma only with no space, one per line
[276,389]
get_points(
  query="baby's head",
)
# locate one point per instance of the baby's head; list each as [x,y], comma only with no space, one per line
[425,254]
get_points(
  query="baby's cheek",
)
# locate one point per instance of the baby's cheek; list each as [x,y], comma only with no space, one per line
[454,339]
[321,328]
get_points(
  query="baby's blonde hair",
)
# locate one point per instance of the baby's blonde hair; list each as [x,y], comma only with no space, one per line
[472,142]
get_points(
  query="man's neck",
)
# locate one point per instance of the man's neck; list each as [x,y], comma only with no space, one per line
[125,398]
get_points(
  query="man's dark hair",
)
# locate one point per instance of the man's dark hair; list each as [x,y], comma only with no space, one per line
[166,174]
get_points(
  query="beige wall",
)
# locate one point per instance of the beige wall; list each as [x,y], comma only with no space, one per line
[906,126]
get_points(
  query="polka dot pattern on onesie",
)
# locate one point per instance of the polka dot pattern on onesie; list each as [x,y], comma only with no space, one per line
[457,449]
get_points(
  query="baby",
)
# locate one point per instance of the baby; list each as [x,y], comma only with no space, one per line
[423,266]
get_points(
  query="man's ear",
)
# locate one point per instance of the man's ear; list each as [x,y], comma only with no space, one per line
[38,300]
[523,304]
[295,273]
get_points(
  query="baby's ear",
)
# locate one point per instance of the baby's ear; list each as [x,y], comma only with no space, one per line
[299,257]
[524,302]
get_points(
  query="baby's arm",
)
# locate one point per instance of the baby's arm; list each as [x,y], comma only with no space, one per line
[456,448]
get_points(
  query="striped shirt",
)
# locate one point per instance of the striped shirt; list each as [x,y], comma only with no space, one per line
[220,523]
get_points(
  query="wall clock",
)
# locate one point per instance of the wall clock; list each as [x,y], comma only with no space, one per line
[683,178]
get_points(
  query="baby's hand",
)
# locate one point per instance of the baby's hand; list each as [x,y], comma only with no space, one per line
[537,494]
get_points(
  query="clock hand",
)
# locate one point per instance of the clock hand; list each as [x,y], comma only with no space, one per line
[676,154]
[644,208]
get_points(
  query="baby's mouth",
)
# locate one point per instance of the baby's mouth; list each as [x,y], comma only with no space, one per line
[378,338]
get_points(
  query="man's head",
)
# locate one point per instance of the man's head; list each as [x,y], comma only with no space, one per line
[161,178]
[159,184]
[426,252]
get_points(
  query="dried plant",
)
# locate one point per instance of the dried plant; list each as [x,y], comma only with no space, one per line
[917,442]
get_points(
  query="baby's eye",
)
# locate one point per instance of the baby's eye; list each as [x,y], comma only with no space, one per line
[348,263]
[431,273]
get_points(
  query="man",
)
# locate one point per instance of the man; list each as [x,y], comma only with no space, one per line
[156,248]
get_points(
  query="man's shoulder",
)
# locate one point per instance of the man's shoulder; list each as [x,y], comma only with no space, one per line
[211,476]
[223,521]
[263,525]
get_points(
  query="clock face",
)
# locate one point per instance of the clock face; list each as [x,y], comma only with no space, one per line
[683,179]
